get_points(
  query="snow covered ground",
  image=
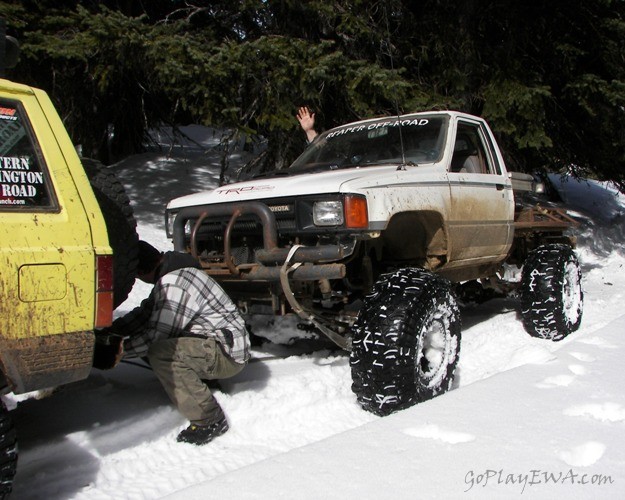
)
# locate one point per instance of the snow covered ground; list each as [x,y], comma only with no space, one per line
[526,417]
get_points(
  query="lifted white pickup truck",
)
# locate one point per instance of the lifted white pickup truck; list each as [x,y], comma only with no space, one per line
[372,233]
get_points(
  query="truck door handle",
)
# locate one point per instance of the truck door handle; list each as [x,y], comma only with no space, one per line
[499,187]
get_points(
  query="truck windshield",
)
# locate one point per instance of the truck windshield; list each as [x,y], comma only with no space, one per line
[377,142]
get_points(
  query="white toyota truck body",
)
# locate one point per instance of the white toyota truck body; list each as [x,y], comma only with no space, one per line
[424,196]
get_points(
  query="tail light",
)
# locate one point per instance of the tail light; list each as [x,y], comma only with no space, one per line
[104,291]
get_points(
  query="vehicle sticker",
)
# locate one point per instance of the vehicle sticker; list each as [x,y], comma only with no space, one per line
[244,189]
[8,114]
[372,126]
[19,184]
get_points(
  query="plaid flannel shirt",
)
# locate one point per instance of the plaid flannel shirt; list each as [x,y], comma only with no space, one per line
[185,303]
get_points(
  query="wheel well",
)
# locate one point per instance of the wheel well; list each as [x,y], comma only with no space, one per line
[416,236]
[526,242]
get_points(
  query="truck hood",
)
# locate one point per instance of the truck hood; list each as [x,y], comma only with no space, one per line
[336,181]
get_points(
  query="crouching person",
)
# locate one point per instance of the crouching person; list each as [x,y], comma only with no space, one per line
[189,330]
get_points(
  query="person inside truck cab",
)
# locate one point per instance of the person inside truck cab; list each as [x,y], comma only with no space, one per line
[190,331]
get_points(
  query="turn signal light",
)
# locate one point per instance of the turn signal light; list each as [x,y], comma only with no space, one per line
[356,215]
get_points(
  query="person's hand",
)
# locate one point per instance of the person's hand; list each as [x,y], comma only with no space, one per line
[307,121]
[306,118]
[120,353]
[108,351]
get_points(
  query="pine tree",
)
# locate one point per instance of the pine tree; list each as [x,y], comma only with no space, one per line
[548,76]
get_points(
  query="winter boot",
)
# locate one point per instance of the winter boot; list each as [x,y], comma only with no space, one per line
[202,434]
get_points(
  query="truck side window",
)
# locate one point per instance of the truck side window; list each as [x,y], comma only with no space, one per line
[469,151]
[24,183]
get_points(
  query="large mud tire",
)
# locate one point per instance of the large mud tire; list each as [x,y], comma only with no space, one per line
[552,299]
[8,452]
[406,341]
[120,224]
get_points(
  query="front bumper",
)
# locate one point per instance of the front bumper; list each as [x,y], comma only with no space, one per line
[320,262]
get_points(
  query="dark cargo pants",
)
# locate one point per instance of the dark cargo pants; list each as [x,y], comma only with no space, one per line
[181,364]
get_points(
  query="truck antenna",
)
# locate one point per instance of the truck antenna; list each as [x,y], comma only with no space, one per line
[395,101]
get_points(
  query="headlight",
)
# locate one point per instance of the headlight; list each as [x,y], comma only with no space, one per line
[328,213]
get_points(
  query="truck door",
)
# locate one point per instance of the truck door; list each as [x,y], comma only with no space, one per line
[482,203]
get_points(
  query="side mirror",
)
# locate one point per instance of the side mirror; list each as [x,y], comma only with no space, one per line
[9,49]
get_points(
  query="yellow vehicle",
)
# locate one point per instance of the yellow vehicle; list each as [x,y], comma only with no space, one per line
[61,272]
